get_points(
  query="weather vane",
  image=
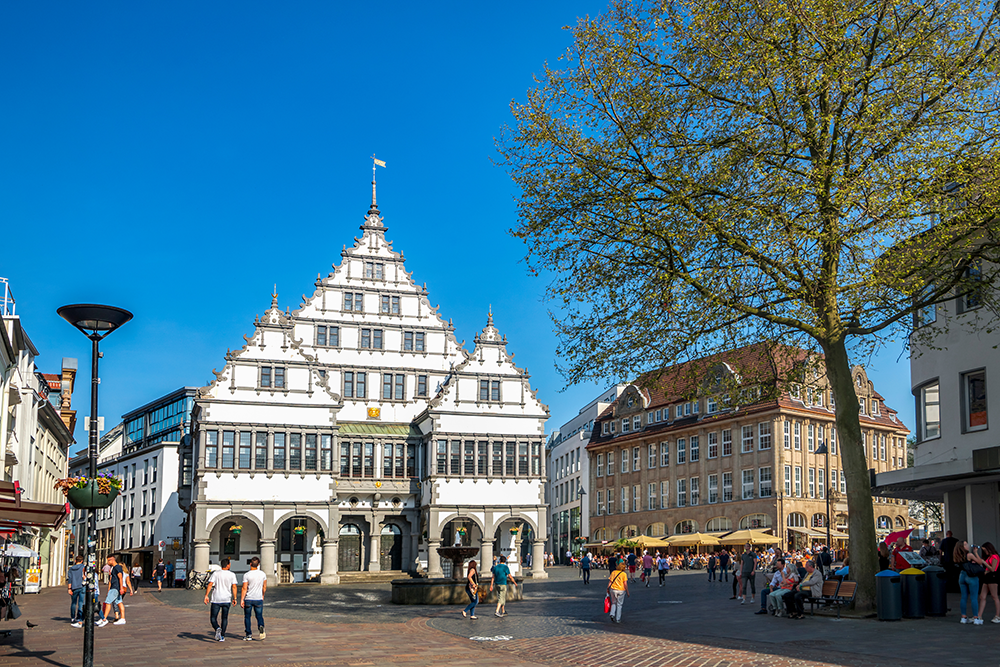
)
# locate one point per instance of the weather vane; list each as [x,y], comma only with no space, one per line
[375,163]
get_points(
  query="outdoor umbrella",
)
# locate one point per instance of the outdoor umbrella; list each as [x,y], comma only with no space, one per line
[645,542]
[891,538]
[752,536]
[692,540]
[18,551]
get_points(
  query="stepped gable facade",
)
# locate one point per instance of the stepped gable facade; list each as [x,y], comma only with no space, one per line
[356,434]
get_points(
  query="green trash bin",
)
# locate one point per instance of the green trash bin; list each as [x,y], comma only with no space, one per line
[888,596]
[937,590]
[914,592]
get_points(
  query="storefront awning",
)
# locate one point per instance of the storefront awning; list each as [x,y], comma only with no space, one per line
[17,513]
[815,534]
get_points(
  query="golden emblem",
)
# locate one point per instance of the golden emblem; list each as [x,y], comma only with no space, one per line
[374,413]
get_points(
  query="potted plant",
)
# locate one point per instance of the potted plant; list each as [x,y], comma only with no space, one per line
[86,493]
[236,530]
[462,531]
[514,531]
[299,530]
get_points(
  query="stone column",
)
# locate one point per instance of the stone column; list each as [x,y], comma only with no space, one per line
[374,564]
[331,555]
[267,561]
[486,553]
[201,555]
[538,560]
[434,570]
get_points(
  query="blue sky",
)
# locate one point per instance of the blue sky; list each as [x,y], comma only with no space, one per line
[178,159]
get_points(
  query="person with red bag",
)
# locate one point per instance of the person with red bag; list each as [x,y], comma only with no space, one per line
[617,591]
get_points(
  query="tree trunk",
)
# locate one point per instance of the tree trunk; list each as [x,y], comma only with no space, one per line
[861,515]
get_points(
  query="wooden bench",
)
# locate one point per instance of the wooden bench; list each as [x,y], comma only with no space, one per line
[837,593]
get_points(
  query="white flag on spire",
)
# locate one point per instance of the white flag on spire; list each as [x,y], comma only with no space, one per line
[380,163]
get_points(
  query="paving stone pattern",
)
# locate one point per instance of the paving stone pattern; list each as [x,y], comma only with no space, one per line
[689,622]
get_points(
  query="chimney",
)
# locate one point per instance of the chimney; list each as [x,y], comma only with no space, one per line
[69,367]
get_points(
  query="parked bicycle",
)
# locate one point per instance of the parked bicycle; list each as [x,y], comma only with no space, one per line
[197,580]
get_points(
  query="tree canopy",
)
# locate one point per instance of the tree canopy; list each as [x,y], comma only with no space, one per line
[698,175]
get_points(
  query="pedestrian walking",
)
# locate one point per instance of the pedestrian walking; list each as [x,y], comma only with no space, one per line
[102,620]
[170,574]
[106,573]
[221,594]
[471,589]
[631,559]
[159,574]
[117,587]
[748,574]
[617,591]
[990,579]
[647,567]
[712,562]
[252,599]
[724,565]
[501,577]
[662,567]
[585,564]
[77,591]
[136,574]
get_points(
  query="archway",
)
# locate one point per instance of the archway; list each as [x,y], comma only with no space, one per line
[349,548]
[686,526]
[297,555]
[756,521]
[391,548]
[718,524]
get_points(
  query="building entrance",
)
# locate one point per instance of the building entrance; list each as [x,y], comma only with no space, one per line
[349,548]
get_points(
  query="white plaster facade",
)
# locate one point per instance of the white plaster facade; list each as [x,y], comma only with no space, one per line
[569,472]
[957,456]
[357,434]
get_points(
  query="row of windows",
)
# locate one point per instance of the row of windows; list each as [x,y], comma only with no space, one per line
[370,339]
[482,457]
[965,302]
[688,492]
[388,304]
[689,449]
[393,385]
[140,476]
[816,480]
[972,404]
[128,534]
[358,459]
[253,450]
[811,397]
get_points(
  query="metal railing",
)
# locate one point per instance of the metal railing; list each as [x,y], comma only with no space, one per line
[7,305]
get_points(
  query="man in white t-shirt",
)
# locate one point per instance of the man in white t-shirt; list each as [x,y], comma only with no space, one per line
[222,595]
[252,598]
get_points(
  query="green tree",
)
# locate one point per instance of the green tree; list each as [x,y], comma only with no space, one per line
[697,175]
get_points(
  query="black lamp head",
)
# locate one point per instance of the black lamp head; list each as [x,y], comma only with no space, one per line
[93,319]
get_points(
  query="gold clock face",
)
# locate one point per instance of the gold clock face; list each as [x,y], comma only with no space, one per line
[374,413]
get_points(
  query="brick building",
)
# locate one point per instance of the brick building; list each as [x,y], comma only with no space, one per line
[729,442]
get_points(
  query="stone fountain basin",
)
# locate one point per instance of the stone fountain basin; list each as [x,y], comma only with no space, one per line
[444,591]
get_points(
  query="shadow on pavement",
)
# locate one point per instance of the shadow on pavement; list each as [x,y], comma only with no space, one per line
[201,637]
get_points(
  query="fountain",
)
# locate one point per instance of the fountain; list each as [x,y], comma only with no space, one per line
[445,590]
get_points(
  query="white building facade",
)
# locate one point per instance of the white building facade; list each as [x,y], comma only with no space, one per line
[356,434]
[956,460]
[569,470]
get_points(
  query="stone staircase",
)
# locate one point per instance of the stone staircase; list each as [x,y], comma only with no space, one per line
[372,577]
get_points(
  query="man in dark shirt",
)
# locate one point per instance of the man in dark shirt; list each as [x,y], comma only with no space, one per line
[630,560]
[947,560]
[724,565]
[826,560]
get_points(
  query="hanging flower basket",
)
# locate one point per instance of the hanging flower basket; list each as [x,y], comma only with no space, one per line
[299,530]
[236,530]
[579,540]
[514,531]
[462,531]
[85,493]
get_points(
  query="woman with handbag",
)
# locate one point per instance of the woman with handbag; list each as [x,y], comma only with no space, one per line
[617,590]
[990,579]
[471,589]
[970,567]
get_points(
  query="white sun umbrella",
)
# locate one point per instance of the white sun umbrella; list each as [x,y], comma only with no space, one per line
[18,551]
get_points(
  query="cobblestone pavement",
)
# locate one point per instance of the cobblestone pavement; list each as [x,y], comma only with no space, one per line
[687,622]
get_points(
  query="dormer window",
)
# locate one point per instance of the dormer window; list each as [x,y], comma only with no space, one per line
[374,270]
[637,423]
[658,415]
[861,405]
[604,428]
[875,407]
[625,425]
[795,391]
[711,406]
[489,390]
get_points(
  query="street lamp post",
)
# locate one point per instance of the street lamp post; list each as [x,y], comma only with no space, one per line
[823,449]
[96,323]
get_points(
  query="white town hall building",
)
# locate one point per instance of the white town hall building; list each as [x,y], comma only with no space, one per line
[356,434]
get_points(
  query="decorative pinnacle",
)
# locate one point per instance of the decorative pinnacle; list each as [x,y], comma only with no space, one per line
[274,296]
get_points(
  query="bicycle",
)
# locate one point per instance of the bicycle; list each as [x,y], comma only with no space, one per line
[197,580]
